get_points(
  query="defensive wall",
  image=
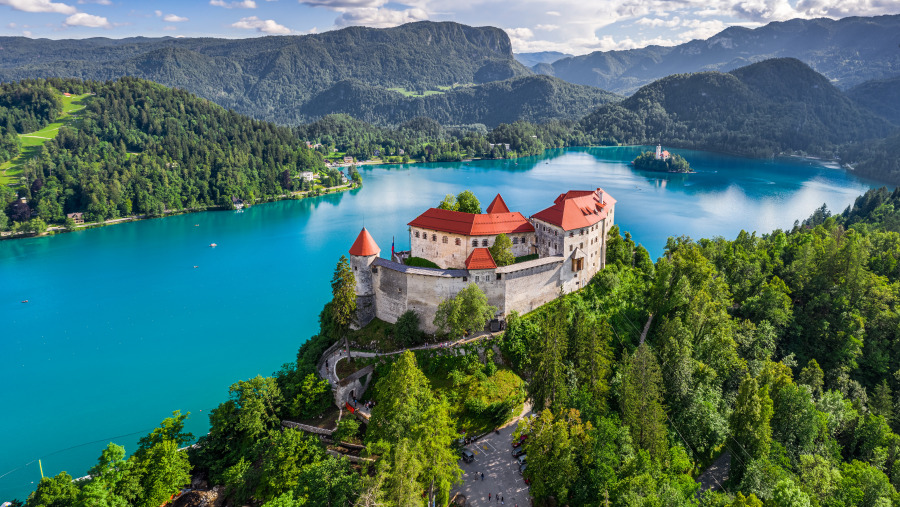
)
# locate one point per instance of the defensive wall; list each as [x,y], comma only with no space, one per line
[519,287]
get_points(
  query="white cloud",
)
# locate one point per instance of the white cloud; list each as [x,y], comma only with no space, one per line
[26,33]
[170,28]
[380,18]
[554,13]
[345,5]
[172,18]
[39,6]
[657,22]
[519,33]
[158,13]
[243,4]
[10,25]
[88,20]
[546,28]
[100,2]
[701,29]
[262,25]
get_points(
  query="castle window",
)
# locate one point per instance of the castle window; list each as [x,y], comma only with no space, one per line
[477,278]
[515,241]
[465,278]
[434,237]
[571,247]
[417,234]
[474,242]
[484,242]
[572,234]
[444,240]
[498,276]
[399,290]
[458,242]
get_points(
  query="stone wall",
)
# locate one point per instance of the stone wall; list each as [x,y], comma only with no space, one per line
[529,285]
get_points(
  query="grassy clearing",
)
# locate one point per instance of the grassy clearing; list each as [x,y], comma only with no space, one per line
[32,141]
[377,335]
[472,396]
[410,93]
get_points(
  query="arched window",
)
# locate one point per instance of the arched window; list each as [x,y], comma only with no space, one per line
[417,234]
[444,240]
[474,242]
[434,237]
[484,242]
[458,242]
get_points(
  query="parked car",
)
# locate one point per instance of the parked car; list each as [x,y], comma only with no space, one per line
[467,455]
[520,441]
[522,459]
[518,452]
[522,468]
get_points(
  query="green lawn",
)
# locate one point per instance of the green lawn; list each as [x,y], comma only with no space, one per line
[32,141]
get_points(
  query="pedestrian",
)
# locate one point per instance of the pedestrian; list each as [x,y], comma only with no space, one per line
[489,497]
[326,363]
[482,476]
[502,501]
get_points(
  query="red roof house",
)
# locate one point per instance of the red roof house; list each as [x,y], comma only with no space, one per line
[364,245]
[497,220]
[576,209]
[480,258]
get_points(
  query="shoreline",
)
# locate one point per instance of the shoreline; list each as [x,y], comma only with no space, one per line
[61,229]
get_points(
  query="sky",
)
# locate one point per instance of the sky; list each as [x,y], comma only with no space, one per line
[569,26]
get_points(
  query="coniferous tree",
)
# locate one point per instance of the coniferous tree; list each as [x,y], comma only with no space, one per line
[343,302]
[642,402]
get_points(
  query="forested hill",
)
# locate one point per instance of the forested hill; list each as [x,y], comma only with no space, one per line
[847,51]
[529,98]
[268,78]
[761,110]
[141,148]
[881,96]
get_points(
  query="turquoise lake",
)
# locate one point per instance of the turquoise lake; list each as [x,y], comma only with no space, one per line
[121,328]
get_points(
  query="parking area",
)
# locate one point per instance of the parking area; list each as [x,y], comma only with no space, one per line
[493,458]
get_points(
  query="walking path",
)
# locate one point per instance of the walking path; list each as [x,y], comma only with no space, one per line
[328,367]
[716,474]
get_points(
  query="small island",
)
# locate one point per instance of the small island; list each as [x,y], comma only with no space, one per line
[661,161]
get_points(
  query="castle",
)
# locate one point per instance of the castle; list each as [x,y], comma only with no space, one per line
[569,239]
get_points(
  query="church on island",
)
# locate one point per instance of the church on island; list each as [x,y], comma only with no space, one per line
[568,240]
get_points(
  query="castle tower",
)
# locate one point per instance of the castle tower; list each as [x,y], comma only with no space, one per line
[362,254]
[658,152]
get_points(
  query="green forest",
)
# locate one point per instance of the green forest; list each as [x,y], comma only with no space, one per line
[143,149]
[776,353]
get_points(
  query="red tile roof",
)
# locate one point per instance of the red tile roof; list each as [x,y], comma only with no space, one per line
[364,245]
[576,209]
[480,258]
[468,224]
[497,206]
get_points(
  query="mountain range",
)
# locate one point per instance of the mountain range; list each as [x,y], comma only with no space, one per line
[270,78]
[847,51]
[764,109]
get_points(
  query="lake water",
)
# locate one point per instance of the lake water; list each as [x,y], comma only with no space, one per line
[121,328]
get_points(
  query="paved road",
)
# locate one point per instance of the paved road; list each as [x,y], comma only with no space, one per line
[493,458]
[716,474]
